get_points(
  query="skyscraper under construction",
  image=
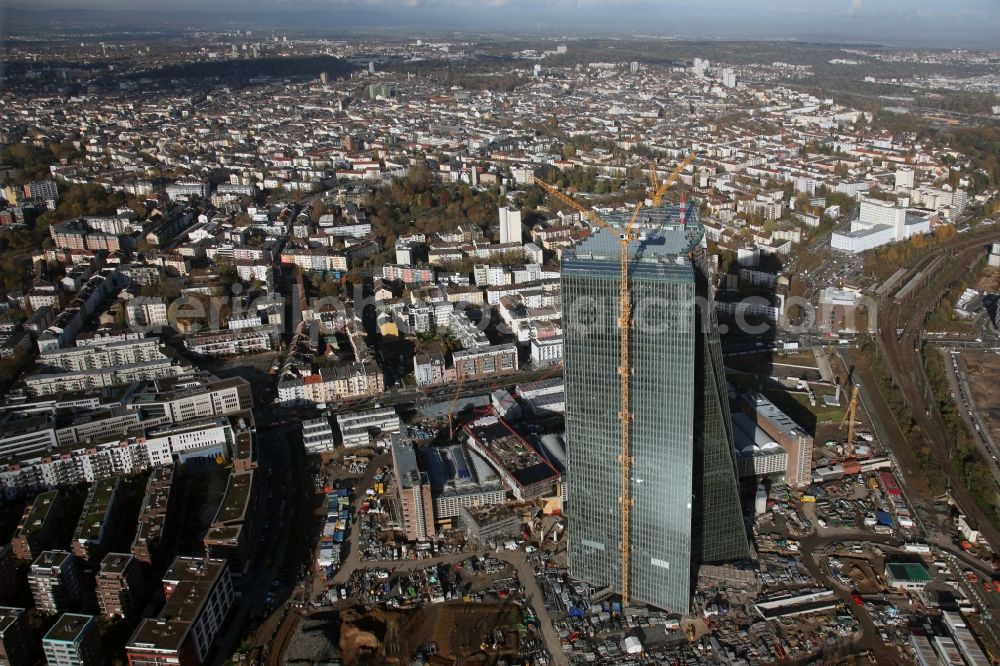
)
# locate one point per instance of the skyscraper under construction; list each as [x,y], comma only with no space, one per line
[685,507]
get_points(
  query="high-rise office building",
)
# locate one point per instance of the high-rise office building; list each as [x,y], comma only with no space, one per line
[510,226]
[686,507]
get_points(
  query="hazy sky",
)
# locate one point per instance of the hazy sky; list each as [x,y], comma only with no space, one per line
[976,22]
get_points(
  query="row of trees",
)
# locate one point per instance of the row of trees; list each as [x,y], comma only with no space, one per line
[884,261]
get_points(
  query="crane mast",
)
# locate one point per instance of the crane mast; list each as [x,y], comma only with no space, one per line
[625,369]
[454,401]
[849,418]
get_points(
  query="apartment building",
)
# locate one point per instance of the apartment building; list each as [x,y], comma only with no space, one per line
[158,517]
[39,526]
[153,447]
[54,580]
[232,342]
[89,380]
[97,524]
[486,362]
[414,490]
[233,531]
[121,586]
[362,428]
[147,312]
[18,646]
[317,435]
[199,595]
[332,384]
[73,641]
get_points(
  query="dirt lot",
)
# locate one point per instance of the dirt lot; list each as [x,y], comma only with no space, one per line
[859,570]
[989,280]
[391,637]
[984,368]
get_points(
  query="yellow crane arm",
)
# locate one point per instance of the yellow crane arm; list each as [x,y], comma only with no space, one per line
[653,185]
[674,175]
[569,201]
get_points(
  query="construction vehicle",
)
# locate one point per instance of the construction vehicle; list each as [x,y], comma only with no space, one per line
[691,634]
[625,237]
[850,418]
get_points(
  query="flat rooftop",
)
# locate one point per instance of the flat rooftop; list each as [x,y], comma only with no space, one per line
[116,563]
[908,571]
[37,513]
[96,508]
[404,458]
[158,634]
[665,233]
[69,628]
[8,616]
[455,470]
[776,417]
[50,559]
[235,502]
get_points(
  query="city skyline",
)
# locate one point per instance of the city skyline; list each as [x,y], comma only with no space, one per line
[972,23]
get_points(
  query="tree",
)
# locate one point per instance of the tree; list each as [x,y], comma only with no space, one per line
[319,209]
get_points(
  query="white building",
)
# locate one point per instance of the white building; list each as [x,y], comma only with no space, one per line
[317,435]
[904,179]
[510,226]
[146,312]
[362,428]
[429,368]
[108,355]
[994,258]
[880,223]
[546,351]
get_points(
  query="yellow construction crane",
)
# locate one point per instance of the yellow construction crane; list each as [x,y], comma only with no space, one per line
[653,185]
[658,192]
[849,419]
[451,407]
[625,371]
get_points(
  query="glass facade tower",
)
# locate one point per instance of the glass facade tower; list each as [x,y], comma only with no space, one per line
[686,506]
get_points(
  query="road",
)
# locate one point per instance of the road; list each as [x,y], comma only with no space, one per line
[815,546]
[274,471]
[517,559]
[525,573]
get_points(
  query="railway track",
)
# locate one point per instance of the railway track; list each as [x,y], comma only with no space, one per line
[899,338]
